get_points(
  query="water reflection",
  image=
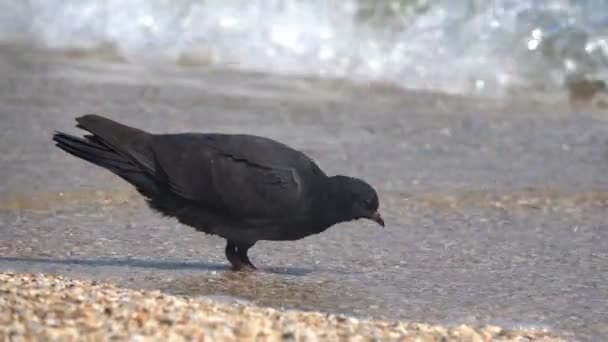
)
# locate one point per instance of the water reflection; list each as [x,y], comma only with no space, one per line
[265,289]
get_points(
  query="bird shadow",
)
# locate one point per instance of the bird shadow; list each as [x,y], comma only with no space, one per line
[173,265]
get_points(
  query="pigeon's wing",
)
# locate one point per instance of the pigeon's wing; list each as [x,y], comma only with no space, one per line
[255,190]
[247,176]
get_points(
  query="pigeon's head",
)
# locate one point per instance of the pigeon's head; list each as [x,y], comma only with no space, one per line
[358,199]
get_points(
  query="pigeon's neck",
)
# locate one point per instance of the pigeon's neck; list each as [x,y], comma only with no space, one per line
[336,205]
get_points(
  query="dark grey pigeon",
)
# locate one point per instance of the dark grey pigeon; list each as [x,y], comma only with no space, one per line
[241,187]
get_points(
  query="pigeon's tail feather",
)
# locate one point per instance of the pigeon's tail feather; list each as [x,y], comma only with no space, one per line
[94,150]
[131,143]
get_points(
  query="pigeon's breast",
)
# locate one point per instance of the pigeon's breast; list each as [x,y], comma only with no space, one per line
[253,231]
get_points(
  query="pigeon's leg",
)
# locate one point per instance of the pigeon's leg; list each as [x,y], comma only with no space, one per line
[241,251]
[231,255]
[235,257]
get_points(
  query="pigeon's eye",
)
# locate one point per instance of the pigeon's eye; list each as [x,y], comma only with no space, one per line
[367,203]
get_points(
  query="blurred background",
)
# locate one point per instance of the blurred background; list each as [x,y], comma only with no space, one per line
[492,48]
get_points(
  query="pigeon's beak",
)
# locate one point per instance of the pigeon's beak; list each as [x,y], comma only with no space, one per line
[377,218]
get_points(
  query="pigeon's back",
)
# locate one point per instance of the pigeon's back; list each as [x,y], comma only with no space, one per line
[244,176]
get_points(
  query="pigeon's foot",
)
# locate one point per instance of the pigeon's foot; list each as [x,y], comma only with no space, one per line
[242,253]
[237,255]
[243,268]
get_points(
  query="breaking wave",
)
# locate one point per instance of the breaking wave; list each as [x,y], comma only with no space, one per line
[486,47]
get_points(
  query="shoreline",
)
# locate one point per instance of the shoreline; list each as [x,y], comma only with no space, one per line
[496,208]
[53,307]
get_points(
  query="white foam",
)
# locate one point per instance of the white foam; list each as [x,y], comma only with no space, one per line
[487,47]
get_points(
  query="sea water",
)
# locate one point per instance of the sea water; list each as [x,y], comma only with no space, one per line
[457,46]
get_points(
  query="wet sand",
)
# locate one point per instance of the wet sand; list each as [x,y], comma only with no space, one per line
[496,212]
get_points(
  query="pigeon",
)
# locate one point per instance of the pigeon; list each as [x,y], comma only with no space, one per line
[241,187]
